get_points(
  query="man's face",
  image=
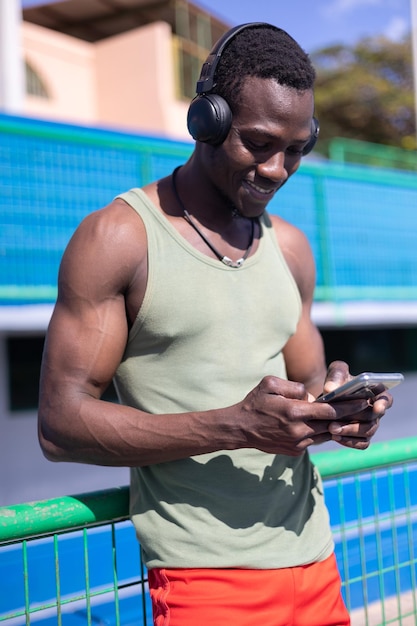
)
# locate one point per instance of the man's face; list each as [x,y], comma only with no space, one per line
[264,146]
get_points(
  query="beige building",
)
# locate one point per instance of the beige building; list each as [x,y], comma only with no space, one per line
[126,64]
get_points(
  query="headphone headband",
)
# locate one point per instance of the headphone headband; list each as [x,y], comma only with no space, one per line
[206,81]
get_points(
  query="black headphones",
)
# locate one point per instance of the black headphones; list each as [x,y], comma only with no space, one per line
[209,117]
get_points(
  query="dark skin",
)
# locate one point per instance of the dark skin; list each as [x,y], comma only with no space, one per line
[102,284]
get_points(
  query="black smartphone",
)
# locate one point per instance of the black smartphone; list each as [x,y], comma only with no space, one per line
[365,385]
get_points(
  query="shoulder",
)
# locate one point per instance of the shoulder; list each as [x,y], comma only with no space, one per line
[115,220]
[287,234]
[108,242]
[298,254]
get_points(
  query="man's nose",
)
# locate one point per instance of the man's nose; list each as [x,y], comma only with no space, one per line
[273,168]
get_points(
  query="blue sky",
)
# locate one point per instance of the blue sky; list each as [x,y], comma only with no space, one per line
[318,23]
[315,23]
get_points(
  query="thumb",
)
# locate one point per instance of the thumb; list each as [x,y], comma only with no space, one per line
[337,374]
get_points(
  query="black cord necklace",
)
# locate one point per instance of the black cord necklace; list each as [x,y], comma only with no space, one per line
[224,259]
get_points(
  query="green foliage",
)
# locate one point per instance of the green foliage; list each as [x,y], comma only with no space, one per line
[365,92]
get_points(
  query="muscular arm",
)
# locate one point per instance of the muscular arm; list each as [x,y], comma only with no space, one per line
[304,352]
[101,285]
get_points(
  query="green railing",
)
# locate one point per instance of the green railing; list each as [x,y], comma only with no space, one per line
[375,154]
[83,549]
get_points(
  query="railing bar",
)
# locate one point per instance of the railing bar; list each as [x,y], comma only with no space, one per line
[378,537]
[79,597]
[143,579]
[384,518]
[345,559]
[66,513]
[410,535]
[362,549]
[370,575]
[384,570]
[57,581]
[68,600]
[391,491]
[380,455]
[26,580]
[87,576]
[115,575]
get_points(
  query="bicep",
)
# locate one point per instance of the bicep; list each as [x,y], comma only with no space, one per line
[304,352]
[88,329]
[304,356]
[83,347]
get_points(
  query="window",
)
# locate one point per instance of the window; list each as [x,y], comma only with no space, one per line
[34,84]
[196,33]
[189,66]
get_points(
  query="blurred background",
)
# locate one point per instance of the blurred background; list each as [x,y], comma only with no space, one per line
[93,101]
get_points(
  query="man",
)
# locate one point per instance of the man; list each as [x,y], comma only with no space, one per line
[198,303]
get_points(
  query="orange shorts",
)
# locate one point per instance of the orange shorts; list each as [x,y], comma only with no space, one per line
[308,595]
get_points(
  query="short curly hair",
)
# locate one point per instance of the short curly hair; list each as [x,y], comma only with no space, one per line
[263,51]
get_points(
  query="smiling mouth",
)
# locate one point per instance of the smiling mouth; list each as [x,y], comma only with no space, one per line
[261,190]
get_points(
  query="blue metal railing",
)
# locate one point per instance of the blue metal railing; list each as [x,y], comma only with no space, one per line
[75,560]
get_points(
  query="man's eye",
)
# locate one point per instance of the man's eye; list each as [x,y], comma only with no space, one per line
[295,150]
[255,145]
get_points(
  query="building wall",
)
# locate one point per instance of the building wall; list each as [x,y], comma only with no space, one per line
[104,83]
[136,84]
[67,69]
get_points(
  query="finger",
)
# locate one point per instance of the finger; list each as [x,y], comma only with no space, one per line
[358,409]
[363,409]
[285,388]
[381,403]
[317,428]
[312,434]
[337,374]
[316,440]
[357,429]
[355,443]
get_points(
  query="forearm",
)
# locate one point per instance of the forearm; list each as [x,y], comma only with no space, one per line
[275,417]
[103,433]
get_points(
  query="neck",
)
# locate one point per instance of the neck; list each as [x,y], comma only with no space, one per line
[223,258]
[203,199]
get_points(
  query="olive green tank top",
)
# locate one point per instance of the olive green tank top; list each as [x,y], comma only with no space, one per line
[205,336]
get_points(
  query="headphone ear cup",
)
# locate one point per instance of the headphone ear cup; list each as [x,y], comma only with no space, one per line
[315,129]
[209,119]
